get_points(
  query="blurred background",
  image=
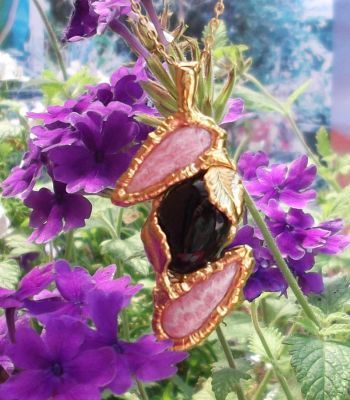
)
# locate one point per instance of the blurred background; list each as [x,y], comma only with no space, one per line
[290,43]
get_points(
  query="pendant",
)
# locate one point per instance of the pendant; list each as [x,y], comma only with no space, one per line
[197,202]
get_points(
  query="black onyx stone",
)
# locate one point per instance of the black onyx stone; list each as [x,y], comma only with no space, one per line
[196,230]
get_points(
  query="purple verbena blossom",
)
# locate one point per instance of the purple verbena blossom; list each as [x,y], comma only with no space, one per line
[73,287]
[266,276]
[50,367]
[249,163]
[235,108]
[146,359]
[31,284]
[295,231]
[22,178]
[287,184]
[108,143]
[54,211]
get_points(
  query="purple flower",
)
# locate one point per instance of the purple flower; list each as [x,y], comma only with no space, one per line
[249,162]
[266,277]
[288,185]
[234,112]
[145,359]
[82,23]
[334,243]
[49,367]
[108,143]
[74,285]
[311,282]
[294,231]
[54,211]
[62,113]
[107,10]
[31,284]
[22,179]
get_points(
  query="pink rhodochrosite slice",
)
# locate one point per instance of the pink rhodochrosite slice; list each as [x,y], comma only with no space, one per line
[188,313]
[178,150]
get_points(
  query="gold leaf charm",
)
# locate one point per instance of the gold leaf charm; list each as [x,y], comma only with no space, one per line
[225,191]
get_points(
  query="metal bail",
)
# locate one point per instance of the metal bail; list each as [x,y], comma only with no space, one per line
[186,84]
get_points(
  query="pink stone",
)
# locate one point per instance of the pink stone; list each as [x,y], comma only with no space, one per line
[189,312]
[179,149]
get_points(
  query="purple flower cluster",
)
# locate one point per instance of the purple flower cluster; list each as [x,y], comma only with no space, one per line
[84,146]
[74,350]
[282,191]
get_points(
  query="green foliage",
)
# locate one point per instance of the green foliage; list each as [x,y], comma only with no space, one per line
[274,339]
[221,37]
[9,274]
[56,90]
[18,245]
[294,96]
[335,297]
[224,381]
[129,251]
[322,368]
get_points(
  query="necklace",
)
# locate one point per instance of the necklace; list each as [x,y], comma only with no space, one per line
[197,202]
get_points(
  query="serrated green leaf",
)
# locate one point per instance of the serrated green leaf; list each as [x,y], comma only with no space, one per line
[205,392]
[9,274]
[274,339]
[322,368]
[224,381]
[335,295]
[323,144]
[298,92]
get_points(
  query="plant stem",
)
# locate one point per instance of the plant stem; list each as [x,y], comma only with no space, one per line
[69,245]
[230,359]
[260,391]
[119,28]
[142,390]
[298,133]
[124,315]
[53,39]
[263,341]
[149,7]
[282,265]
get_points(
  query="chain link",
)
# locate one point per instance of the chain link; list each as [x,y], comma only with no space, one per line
[160,48]
[213,27]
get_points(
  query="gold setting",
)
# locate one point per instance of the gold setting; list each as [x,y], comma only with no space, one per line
[225,192]
[187,116]
[242,255]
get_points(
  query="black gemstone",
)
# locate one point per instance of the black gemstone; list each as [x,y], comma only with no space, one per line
[196,230]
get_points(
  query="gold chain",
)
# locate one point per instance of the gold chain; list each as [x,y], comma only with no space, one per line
[213,27]
[152,34]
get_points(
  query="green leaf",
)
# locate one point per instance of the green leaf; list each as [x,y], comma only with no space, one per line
[221,36]
[19,245]
[224,381]
[338,331]
[257,101]
[335,295]
[298,92]
[321,367]
[323,144]
[9,274]
[222,98]
[274,339]
[130,251]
